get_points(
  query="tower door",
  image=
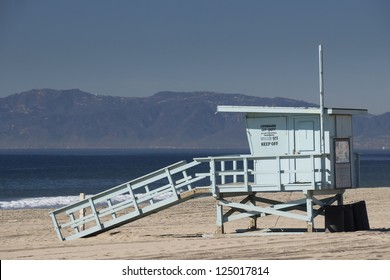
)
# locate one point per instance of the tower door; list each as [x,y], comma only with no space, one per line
[306,141]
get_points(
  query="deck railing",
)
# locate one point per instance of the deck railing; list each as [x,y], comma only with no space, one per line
[243,173]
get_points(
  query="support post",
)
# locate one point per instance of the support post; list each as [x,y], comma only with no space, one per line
[309,211]
[253,219]
[82,212]
[220,227]
[246,173]
[213,176]
[340,199]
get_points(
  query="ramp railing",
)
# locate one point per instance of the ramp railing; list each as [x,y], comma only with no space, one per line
[128,201]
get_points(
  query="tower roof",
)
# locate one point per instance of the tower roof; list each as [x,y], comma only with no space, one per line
[289,110]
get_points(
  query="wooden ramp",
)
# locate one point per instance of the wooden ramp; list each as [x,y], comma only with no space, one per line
[129,201]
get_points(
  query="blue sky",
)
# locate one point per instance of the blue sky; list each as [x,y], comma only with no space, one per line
[261,48]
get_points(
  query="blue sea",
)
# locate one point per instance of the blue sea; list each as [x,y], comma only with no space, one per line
[53,178]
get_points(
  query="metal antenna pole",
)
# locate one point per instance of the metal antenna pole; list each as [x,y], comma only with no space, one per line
[321,72]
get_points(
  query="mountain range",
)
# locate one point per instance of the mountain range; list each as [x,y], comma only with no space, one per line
[48,118]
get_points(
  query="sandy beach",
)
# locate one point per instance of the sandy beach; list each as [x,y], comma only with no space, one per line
[186,231]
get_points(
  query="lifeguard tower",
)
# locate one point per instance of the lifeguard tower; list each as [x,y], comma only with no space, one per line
[307,150]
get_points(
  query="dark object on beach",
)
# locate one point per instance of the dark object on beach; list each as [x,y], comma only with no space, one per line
[334,218]
[360,216]
[349,217]
[349,221]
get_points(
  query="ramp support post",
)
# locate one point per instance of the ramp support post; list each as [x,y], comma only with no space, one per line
[220,228]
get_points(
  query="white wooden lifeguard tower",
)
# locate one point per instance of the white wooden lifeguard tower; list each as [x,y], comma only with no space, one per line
[308,150]
[292,149]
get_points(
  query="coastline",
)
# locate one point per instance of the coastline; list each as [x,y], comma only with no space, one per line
[185,231]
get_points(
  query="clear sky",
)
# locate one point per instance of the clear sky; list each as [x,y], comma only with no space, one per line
[139,47]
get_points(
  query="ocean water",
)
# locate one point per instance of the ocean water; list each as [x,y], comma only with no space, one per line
[53,178]
[375,168]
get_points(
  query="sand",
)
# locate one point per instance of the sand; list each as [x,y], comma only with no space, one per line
[185,231]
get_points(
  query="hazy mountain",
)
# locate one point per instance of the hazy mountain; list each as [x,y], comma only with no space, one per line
[372,131]
[75,119]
